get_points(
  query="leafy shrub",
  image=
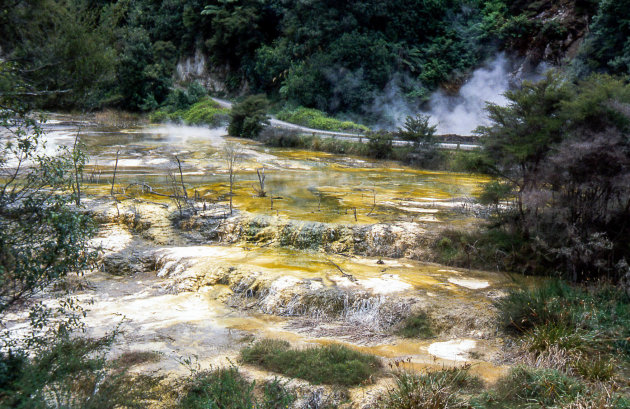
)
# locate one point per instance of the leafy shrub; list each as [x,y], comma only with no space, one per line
[159,115]
[418,131]
[417,325]
[316,119]
[206,112]
[179,99]
[72,373]
[248,118]
[380,144]
[330,364]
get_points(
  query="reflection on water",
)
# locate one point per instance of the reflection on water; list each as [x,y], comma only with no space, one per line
[304,185]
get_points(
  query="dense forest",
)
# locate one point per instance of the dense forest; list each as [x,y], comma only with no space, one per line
[333,56]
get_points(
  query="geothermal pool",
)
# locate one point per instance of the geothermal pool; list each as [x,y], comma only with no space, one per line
[185,294]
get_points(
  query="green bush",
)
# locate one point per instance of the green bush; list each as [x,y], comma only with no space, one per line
[316,119]
[330,364]
[249,117]
[417,325]
[493,248]
[76,373]
[204,112]
[380,144]
[159,116]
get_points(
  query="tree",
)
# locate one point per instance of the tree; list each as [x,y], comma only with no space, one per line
[418,131]
[249,117]
[523,132]
[42,238]
[380,144]
[563,151]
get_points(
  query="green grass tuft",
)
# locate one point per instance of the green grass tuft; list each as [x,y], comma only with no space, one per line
[541,338]
[418,325]
[226,388]
[527,387]
[330,364]
[434,390]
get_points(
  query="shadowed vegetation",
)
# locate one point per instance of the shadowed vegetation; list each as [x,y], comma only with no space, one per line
[330,364]
[312,118]
[227,388]
[418,325]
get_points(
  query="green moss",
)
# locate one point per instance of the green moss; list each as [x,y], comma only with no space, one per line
[329,364]
[316,119]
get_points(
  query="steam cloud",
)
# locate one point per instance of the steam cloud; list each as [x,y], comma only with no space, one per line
[462,113]
[455,114]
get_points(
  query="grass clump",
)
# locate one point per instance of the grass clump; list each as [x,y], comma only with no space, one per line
[329,364]
[493,248]
[522,388]
[226,388]
[132,358]
[599,315]
[584,331]
[525,309]
[313,118]
[418,325]
[526,387]
[434,389]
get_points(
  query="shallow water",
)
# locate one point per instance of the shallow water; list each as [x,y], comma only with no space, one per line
[304,185]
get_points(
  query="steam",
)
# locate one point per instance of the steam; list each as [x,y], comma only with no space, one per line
[391,106]
[182,134]
[462,113]
[453,114]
